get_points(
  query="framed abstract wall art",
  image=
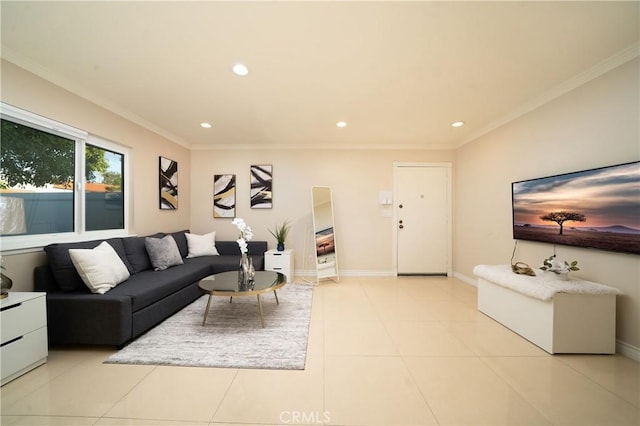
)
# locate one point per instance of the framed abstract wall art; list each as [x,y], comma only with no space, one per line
[261,186]
[168,184]
[224,196]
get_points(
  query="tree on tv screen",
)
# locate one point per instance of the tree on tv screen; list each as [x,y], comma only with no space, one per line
[561,217]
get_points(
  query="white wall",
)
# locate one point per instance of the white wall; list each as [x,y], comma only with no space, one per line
[593,126]
[363,236]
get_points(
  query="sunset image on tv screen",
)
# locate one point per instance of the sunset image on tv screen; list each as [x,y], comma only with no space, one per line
[597,208]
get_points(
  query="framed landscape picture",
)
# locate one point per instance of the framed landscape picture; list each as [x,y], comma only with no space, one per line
[168,184]
[224,196]
[261,186]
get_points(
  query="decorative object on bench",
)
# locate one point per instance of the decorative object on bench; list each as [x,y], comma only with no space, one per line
[559,268]
[573,316]
[520,268]
[280,234]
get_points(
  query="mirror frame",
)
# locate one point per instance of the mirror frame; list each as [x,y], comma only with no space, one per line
[321,271]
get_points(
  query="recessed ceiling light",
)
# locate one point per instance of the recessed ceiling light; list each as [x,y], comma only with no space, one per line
[457,124]
[240,69]
[341,124]
[205,125]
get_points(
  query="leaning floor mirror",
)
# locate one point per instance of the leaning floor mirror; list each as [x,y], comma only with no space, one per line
[324,233]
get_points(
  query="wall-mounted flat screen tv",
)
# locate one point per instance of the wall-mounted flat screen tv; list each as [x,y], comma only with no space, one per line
[597,208]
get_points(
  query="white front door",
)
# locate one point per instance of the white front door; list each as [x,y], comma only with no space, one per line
[422,218]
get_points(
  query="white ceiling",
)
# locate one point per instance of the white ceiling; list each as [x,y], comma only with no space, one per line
[398,72]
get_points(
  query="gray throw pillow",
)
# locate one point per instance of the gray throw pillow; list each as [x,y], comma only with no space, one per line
[163,252]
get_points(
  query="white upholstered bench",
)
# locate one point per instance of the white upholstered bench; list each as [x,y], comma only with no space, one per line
[574,316]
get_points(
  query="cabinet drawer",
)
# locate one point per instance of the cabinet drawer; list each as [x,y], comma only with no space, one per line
[24,353]
[276,266]
[276,261]
[21,318]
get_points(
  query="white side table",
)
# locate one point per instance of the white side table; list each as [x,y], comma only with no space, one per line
[23,319]
[279,261]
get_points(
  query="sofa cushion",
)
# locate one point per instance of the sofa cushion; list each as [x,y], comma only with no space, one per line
[181,241]
[100,268]
[231,248]
[225,263]
[136,253]
[148,287]
[163,252]
[62,267]
[202,245]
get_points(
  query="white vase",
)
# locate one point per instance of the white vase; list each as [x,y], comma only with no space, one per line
[557,275]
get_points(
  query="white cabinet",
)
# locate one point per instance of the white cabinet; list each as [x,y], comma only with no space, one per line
[23,321]
[567,323]
[279,261]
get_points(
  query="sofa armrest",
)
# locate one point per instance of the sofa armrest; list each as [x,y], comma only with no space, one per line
[98,319]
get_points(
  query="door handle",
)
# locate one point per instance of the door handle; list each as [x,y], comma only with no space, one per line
[401,226]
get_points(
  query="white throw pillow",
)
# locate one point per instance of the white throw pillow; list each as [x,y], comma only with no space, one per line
[100,268]
[202,245]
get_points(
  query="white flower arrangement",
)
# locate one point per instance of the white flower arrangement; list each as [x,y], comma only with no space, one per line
[246,234]
[559,267]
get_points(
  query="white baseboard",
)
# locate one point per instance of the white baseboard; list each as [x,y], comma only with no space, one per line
[466,279]
[357,273]
[348,273]
[627,350]
[365,273]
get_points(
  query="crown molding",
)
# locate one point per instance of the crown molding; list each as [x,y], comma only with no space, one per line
[601,68]
[324,147]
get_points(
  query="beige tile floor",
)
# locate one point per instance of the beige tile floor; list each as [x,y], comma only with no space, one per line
[382,351]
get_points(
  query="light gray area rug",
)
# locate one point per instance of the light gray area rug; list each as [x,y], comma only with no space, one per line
[232,336]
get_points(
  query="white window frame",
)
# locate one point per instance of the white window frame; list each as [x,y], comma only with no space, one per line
[27,243]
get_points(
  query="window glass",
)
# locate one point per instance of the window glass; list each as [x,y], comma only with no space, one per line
[104,195]
[37,170]
[58,183]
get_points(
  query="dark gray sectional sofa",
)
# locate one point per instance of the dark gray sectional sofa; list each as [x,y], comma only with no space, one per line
[77,316]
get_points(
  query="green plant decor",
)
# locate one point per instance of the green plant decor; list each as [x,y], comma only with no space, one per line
[280,232]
